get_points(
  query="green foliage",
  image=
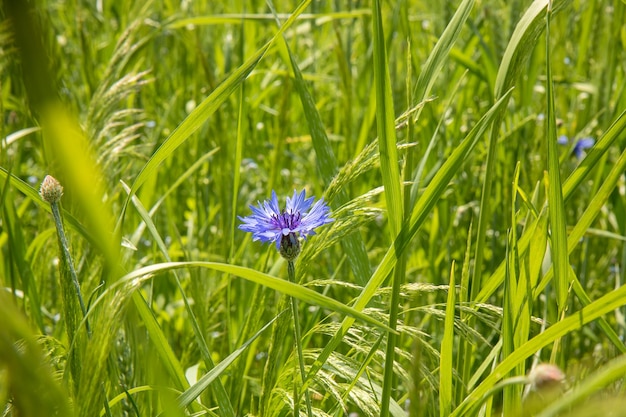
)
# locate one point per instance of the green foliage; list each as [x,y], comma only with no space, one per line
[468,246]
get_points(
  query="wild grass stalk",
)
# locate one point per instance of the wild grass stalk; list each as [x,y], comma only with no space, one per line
[51,191]
[291,272]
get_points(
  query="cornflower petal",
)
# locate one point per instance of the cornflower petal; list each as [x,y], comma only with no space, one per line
[298,202]
[314,218]
[269,224]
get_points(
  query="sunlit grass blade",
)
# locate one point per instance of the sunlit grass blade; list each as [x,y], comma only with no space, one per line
[241,125]
[15,136]
[160,343]
[385,125]
[22,360]
[514,318]
[432,66]
[538,232]
[464,359]
[446,358]
[298,291]
[558,233]
[388,156]
[235,18]
[13,228]
[106,412]
[522,43]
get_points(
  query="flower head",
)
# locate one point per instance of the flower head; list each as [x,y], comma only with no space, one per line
[268,223]
[580,146]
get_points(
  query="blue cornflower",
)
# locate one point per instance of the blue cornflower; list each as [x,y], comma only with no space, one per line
[579,147]
[270,224]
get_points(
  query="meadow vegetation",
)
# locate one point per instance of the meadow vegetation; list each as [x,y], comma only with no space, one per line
[472,154]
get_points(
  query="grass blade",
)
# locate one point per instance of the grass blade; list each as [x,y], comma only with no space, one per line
[159,341]
[385,122]
[298,291]
[22,360]
[435,60]
[196,389]
[558,235]
[388,156]
[446,358]
[514,315]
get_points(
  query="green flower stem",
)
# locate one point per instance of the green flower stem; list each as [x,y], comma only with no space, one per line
[291,269]
[56,214]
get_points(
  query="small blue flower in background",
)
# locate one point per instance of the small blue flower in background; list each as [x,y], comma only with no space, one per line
[268,223]
[581,145]
[562,140]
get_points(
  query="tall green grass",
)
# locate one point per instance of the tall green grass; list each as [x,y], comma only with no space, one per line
[468,245]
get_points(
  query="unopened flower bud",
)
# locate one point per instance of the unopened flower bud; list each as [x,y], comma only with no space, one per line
[546,376]
[51,190]
[289,247]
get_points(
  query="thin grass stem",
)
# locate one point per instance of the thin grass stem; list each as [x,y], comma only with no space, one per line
[291,269]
